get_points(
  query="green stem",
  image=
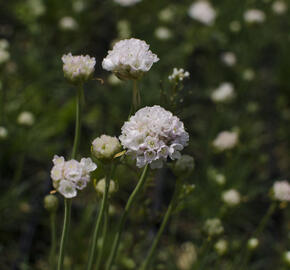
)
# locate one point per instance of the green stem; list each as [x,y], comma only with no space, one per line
[53,240]
[136,99]
[66,223]
[92,253]
[168,213]
[203,251]
[128,206]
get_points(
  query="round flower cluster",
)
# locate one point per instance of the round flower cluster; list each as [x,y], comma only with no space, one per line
[229,59]
[101,185]
[105,147]
[254,16]
[184,165]
[186,256]
[152,135]
[224,92]
[213,226]
[203,12]
[26,119]
[78,68]
[178,75]
[70,176]
[3,133]
[221,246]
[68,24]
[127,3]
[226,140]
[4,53]
[231,197]
[252,243]
[279,7]
[129,59]
[281,190]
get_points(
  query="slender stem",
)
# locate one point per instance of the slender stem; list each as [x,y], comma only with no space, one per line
[136,99]
[66,223]
[128,206]
[203,251]
[92,252]
[168,213]
[53,240]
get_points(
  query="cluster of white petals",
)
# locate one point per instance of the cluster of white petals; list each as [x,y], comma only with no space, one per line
[231,197]
[3,133]
[213,226]
[186,256]
[203,12]
[127,3]
[224,92]
[178,75]
[129,59]
[4,53]
[78,68]
[152,135]
[254,16]
[68,24]
[105,147]
[252,243]
[163,33]
[221,246]
[281,190]
[279,7]
[26,118]
[229,58]
[101,186]
[226,140]
[72,175]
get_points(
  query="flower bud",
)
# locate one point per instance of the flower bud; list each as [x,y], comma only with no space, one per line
[50,203]
[213,227]
[101,185]
[105,147]
[184,165]
[286,257]
[26,119]
[253,243]
[3,133]
[221,246]
[231,197]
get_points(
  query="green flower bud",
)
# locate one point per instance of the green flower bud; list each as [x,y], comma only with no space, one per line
[50,203]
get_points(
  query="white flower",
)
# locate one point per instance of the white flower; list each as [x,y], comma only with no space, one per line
[3,133]
[105,147]
[226,140]
[183,165]
[26,119]
[203,12]
[219,178]
[101,185]
[281,190]
[229,58]
[4,56]
[254,16]
[253,243]
[231,197]
[178,75]
[224,92]
[279,7]
[221,246]
[129,59]
[213,226]
[162,33]
[186,256]
[68,176]
[286,257]
[152,135]
[36,7]
[78,68]
[68,23]
[127,3]
[4,44]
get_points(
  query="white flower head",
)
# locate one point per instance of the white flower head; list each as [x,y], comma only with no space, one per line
[127,3]
[281,190]
[253,243]
[186,256]
[3,133]
[152,135]
[67,189]
[213,227]
[226,140]
[221,246]
[286,257]
[129,59]
[26,119]
[254,16]
[4,56]
[178,75]
[101,185]
[231,197]
[229,59]
[203,12]
[78,68]
[225,92]
[105,147]
[162,33]
[4,44]
[68,23]
[279,7]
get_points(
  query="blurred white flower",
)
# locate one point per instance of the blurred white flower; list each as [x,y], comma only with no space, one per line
[105,147]
[3,133]
[152,135]
[129,59]
[226,140]
[4,44]
[184,165]
[36,7]
[186,256]
[178,75]
[286,257]
[203,12]
[279,7]
[281,190]
[224,92]
[219,178]
[126,3]
[231,197]
[229,58]
[213,226]
[78,68]
[68,23]
[101,185]
[166,15]
[26,119]
[253,243]
[254,16]
[162,33]
[70,176]
[235,26]
[248,74]
[4,56]
[221,246]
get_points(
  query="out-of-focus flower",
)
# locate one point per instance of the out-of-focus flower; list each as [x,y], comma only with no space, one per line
[129,59]
[166,15]
[203,12]
[68,23]
[101,185]
[223,93]
[70,176]
[78,5]
[248,74]
[213,174]
[124,29]
[162,33]
[231,197]
[184,165]
[286,257]
[113,80]
[105,147]
[4,44]
[252,243]
[235,26]
[226,140]
[221,246]
[213,227]
[186,256]
[229,58]
[26,119]
[152,135]
[127,3]
[254,16]
[4,56]
[50,203]
[3,133]
[279,7]
[36,7]
[78,68]
[281,191]
[178,75]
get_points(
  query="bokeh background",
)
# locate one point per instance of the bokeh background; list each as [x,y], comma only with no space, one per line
[253,58]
